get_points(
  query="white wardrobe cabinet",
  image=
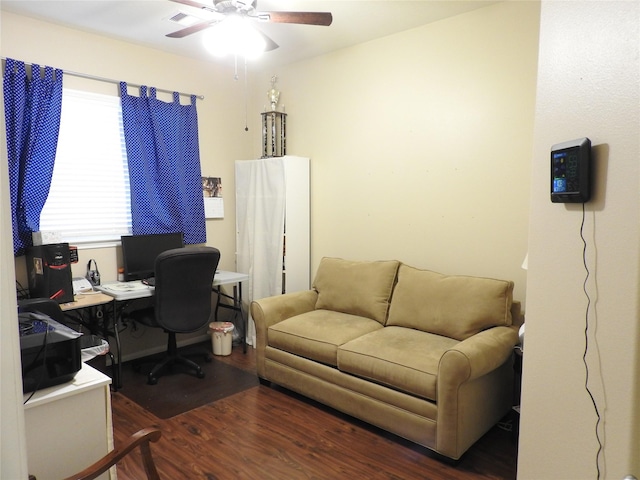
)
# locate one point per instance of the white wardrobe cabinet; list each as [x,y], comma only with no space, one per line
[272,226]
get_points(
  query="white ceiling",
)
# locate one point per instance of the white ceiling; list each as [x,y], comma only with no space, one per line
[146,22]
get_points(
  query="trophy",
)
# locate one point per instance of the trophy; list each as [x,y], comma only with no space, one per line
[273,95]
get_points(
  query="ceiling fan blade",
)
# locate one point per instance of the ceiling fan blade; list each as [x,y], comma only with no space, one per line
[304,18]
[192,29]
[195,4]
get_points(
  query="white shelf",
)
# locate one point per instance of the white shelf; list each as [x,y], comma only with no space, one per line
[69,426]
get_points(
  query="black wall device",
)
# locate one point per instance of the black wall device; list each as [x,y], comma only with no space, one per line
[571,171]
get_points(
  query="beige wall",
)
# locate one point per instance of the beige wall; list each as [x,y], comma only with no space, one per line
[420,143]
[588,85]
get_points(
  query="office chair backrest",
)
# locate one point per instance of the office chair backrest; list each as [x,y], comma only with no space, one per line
[184,278]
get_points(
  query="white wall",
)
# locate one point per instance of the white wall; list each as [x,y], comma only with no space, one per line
[588,85]
[420,143]
[13,459]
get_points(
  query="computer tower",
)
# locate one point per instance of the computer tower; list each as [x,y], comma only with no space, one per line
[49,271]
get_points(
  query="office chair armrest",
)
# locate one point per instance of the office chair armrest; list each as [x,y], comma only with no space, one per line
[139,439]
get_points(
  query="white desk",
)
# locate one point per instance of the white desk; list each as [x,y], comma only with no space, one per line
[223,277]
[123,291]
[68,426]
[95,326]
[136,289]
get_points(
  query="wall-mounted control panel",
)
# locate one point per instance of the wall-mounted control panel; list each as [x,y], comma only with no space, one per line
[571,171]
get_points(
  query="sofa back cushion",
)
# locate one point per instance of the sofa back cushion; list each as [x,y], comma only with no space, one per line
[454,306]
[357,288]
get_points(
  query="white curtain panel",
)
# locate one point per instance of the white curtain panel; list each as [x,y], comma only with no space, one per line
[260,213]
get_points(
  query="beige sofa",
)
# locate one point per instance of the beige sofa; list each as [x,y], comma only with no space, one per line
[425,356]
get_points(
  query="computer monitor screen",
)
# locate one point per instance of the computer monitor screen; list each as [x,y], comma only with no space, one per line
[139,253]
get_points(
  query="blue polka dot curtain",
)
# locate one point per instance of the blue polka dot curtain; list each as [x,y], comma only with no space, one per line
[32,106]
[164,165]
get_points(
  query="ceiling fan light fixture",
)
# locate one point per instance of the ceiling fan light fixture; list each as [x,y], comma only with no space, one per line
[234,35]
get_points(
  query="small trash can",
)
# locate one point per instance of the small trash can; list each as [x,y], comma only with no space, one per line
[221,337]
[91,346]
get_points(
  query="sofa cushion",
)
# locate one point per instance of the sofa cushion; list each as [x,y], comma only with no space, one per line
[357,288]
[402,358]
[453,306]
[317,335]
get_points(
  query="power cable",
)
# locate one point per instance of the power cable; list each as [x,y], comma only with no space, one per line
[586,343]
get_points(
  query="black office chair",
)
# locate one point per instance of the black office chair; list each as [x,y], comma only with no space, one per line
[183,289]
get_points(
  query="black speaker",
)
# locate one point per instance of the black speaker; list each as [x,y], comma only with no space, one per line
[49,270]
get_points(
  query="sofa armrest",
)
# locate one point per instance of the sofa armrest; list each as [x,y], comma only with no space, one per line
[477,355]
[474,386]
[271,310]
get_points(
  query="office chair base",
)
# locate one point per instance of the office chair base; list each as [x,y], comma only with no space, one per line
[158,370]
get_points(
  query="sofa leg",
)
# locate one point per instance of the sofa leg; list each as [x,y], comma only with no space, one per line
[264,381]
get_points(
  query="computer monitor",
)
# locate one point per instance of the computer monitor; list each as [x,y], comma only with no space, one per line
[139,252]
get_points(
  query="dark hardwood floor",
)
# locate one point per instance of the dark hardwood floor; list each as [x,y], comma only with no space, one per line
[269,433]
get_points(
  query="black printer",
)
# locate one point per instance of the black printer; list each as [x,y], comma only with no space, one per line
[50,352]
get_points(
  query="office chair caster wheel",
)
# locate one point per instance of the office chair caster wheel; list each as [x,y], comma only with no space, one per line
[200,374]
[152,380]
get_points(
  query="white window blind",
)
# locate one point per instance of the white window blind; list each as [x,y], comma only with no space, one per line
[89,200]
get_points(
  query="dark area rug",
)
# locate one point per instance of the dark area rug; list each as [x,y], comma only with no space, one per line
[179,391]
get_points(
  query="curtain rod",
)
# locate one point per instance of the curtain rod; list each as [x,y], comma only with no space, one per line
[110,80]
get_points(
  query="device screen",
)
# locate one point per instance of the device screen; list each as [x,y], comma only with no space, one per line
[566,172]
[570,171]
[139,252]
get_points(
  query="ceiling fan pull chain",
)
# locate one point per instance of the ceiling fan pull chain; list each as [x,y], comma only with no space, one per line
[246,127]
[235,66]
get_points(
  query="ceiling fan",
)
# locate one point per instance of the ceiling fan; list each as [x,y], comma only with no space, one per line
[247,8]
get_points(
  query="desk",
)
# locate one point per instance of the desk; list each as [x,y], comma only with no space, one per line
[123,291]
[68,426]
[84,300]
[87,300]
[223,277]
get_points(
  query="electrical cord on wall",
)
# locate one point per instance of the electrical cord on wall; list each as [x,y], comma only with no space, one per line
[586,342]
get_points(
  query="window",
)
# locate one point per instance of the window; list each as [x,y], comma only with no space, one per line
[89,200]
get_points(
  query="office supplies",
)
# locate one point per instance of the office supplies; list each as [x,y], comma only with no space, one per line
[81,285]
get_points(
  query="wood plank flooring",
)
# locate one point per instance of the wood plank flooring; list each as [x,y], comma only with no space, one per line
[269,433]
